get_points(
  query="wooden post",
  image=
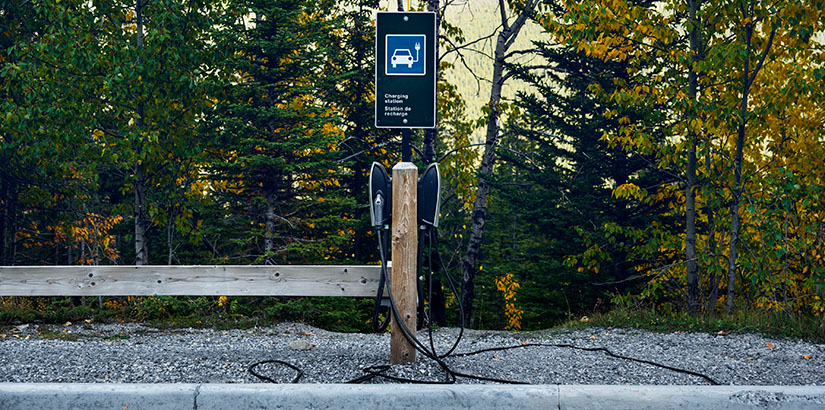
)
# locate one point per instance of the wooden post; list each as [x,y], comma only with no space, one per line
[404,258]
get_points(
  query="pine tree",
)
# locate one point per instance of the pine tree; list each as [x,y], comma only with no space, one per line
[559,227]
[275,167]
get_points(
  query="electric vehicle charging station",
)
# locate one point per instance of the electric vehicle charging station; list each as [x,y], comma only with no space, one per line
[405,68]
[382,214]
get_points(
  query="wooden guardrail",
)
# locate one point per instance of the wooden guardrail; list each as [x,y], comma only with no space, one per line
[221,280]
[251,280]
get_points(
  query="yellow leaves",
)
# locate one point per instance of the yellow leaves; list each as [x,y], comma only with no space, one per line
[92,233]
[507,286]
[331,182]
[770,345]
[629,191]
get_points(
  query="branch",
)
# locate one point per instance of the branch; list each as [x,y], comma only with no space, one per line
[762,59]
[501,9]
[450,152]
[467,66]
[527,51]
[526,157]
[526,12]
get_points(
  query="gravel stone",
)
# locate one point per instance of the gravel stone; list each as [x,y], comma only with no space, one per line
[134,353]
[300,345]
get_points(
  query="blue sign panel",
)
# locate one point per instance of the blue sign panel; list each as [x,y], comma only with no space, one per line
[406,54]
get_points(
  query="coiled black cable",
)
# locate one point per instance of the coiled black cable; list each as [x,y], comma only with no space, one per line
[451,375]
[252,367]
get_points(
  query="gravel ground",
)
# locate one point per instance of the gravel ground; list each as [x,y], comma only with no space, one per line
[133,353]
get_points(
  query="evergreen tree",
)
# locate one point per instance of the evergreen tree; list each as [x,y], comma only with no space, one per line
[276,165]
[349,87]
[558,227]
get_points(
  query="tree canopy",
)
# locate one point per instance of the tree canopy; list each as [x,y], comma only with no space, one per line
[656,152]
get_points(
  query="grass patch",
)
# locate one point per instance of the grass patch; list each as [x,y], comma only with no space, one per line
[55,335]
[774,324]
[337,314]
[212,321]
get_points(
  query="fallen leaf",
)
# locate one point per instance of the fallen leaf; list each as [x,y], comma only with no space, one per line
[749,358]
[3,336]
[807,356]
[526,342]
[495,357]
[770,345]
[307,333]
[593,337]
[67,324]
[722,333]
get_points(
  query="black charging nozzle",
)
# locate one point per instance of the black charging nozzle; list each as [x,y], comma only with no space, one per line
[380,196]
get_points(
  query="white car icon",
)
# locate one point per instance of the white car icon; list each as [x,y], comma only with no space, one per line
[402,56]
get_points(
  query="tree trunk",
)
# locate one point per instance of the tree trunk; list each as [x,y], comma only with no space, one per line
[504,41]
[170,238]
[141,222]
[5,201]
[141,245]
[690,192]
[269,237]
[431,135]
[737,187]
[734,213]
[711,248]
[748,78]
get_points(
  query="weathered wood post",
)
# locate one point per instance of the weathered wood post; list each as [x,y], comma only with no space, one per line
[404,258]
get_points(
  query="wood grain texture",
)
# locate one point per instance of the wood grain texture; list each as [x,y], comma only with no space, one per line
[223,280]
[404,258]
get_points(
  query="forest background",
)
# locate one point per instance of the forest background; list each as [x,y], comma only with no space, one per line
[657,156]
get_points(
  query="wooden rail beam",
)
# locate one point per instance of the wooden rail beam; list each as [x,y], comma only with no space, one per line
[223,280]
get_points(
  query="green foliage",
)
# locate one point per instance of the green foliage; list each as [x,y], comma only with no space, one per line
[337,314]
[779,324]
[274,168]
[554,220]
[52,310]
[241,131]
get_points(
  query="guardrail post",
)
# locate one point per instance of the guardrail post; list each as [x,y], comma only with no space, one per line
[404,258]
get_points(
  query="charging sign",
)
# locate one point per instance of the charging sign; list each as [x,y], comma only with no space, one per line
[406,54]
[405,70]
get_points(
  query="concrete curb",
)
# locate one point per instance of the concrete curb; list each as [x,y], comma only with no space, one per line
[70,396]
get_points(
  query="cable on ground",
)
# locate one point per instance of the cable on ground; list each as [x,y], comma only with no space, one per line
[450,375]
